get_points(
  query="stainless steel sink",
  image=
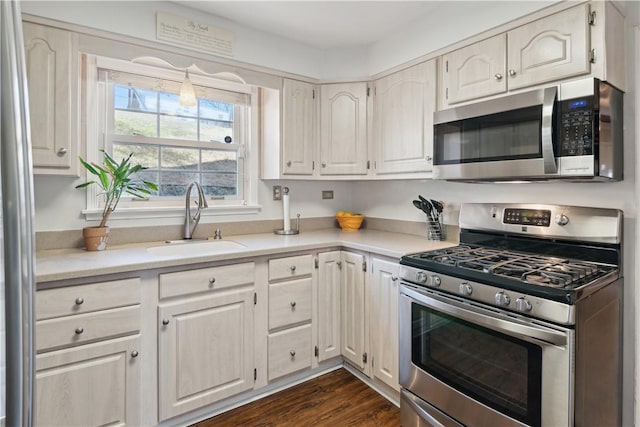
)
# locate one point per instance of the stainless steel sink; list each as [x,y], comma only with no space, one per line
[195,247]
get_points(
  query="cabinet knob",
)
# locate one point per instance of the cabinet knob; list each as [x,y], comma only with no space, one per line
[79,331]
[289,163]
[324,165]
[512,72]
[62,152]
[293,268]
[498,76]
[79,301]
[292,304]
[212,280]
[394,279]
[134,353]
[339,264]
[165,322]
[292,353]
[428,158]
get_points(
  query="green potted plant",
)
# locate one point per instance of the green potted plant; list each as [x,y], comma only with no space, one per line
[114,179]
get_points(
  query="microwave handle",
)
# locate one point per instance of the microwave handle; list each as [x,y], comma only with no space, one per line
[548,104]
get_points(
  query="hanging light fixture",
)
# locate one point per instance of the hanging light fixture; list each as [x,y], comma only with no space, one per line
[187,94]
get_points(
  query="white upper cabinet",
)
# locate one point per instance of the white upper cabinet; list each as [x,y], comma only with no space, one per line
[404,103]
[343,129]
[551,48]
[475,71]
[52,75]
[584,40]
[298,127]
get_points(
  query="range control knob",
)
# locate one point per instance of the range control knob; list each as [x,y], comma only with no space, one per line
[465,289]
[421,277]
[523,304]
[502,299]
[435,281]
[562,219]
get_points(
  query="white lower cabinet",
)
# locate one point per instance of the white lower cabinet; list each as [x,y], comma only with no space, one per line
[358,297]
[91,385]
[385,293]
[205,350]
[89,355]
[290,315]
[328,318]
[353,316]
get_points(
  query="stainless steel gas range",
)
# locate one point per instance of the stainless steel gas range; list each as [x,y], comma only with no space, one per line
[518,325]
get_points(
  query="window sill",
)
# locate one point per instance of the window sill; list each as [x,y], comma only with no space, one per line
[169,212]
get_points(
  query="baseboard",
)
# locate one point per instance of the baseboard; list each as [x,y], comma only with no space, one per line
[383,390]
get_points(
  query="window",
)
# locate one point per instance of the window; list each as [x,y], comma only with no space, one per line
[207,143]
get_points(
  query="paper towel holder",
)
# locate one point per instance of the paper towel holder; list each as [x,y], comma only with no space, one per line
[296,230]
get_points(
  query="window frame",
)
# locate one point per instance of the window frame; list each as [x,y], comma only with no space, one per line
[97,114]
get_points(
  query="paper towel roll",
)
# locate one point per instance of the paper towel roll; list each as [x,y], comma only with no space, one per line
[285,214]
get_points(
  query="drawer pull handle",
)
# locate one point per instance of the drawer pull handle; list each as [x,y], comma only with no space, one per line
[79,331]
[394,278]
[293,304]
[62,152]
[212,280]
[165,322]
[292,353]
[134,353]
[79,301]
[293,268]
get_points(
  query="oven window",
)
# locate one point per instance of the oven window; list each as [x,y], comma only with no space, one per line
[510,135]
[497,370]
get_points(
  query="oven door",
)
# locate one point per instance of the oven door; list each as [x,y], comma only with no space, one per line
[482,366]
[500,139]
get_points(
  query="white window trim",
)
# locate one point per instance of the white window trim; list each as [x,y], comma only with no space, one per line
[95,116]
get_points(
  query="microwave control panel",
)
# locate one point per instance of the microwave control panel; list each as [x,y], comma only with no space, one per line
[576,125]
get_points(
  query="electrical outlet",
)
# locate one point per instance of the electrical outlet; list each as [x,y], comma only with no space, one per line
[277,192]
[327,194]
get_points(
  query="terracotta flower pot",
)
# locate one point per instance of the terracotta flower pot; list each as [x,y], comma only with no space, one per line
[95,238]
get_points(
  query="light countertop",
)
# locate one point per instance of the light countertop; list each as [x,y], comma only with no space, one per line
[64,264]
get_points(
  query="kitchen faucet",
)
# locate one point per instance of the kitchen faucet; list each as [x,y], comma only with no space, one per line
[190,222]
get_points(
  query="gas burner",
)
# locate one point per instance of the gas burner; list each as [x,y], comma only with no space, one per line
[521,267]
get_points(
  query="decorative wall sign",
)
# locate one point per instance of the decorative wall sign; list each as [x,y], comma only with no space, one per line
[188,32]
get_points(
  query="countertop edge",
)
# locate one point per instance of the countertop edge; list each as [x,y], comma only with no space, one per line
[67,264]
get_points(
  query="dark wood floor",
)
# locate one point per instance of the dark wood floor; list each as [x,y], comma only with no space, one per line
[335,399]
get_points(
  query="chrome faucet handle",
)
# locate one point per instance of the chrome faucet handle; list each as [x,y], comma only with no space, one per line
[217,235]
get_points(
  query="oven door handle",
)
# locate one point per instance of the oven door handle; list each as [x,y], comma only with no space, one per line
[518,330]
[546,129]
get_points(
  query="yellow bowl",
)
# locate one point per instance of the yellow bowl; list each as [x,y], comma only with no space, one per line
[350,222]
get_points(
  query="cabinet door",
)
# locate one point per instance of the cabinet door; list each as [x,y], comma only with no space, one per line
[205,351]
[475,71]
[298,127]
[353,309]
[404,103]
[384,321]
[52,75]
[328,305]
[91,385]
[343,129]
[552,48]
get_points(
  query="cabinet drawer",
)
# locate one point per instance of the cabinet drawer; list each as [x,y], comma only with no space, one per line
[289,302]
[290,267]
[81,328]
[289,351]
[206,279]
[70,300]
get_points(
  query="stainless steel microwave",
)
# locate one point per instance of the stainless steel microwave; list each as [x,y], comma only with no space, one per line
[571,131]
